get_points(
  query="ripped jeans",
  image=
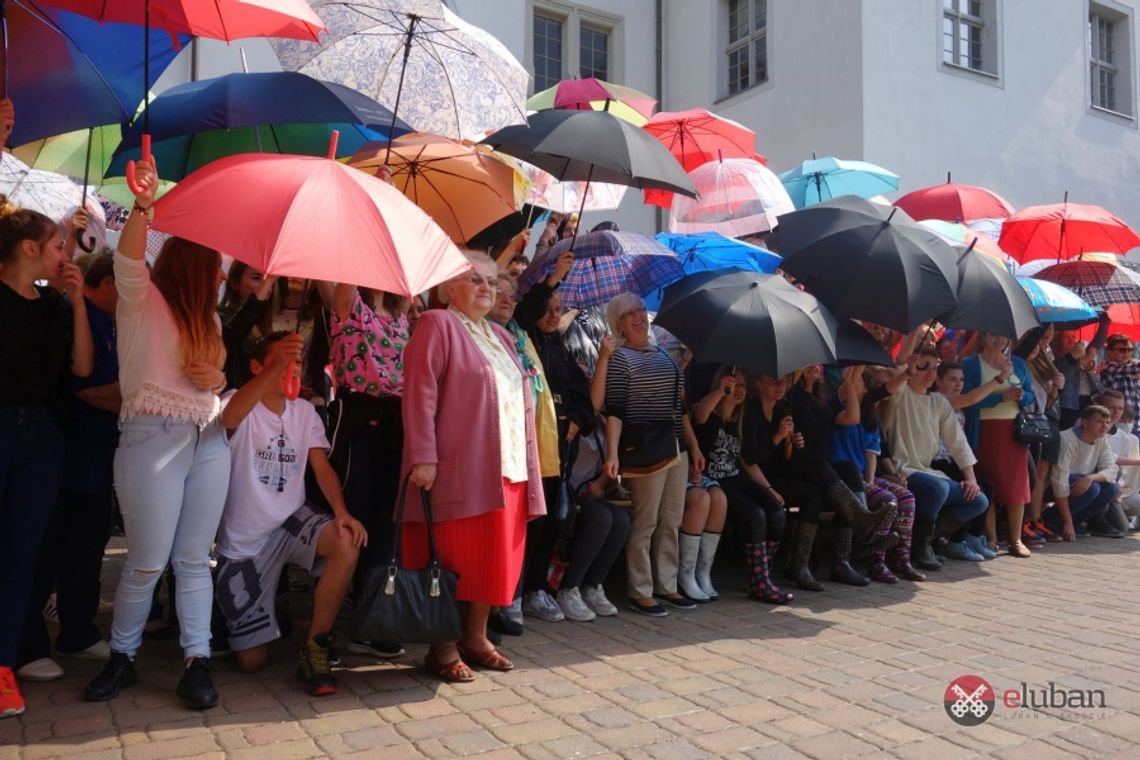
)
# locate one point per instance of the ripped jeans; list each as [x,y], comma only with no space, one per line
[171,478]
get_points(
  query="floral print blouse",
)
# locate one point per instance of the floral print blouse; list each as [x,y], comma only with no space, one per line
[367,350]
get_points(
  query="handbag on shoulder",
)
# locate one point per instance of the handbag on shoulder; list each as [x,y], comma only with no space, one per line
[1031,427]
[408,606]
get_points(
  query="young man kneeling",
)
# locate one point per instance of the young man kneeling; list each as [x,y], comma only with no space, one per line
[267,525]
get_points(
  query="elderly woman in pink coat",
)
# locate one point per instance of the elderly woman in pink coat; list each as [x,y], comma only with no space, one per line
[469,439]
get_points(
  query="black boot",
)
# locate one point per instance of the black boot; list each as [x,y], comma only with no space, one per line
[116,675]
[841,569]
[921,554]
[195,688]
[867,525]
[798,569]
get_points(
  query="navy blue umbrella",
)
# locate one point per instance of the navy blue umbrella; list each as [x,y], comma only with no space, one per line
[65,72]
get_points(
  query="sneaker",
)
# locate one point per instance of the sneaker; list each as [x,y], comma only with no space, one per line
[41,670]
[314,668]
[1044,531]
[677,601]
[11,700]
[1134,524]
[385,650]
[100,651]
[652,610]
[1030,536]
[980,545]
[960,550]
[501,622]
[51,612]
[118,674]
[595,599]
[1105,531]
[570,600]
[539,604]
[195,688]
[515,612]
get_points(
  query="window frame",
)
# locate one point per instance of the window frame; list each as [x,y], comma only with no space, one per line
[746,44]
[1120,67]
[574,19]
[990,40]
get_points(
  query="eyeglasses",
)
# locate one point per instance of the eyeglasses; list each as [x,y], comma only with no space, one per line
[1121,348]
[477,281]
[927,366]
[632,312]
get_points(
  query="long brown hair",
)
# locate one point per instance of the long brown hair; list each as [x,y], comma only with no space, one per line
[186,274]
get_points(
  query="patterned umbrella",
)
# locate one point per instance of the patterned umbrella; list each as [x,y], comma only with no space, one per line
[51,194]
[737,197]
[605,264]
[1097,282]
[1056,303]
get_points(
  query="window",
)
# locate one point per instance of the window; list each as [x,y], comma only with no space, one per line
[1110,56]
[747,49]
[594,53]
[547,52]
[962,31]
[569,41]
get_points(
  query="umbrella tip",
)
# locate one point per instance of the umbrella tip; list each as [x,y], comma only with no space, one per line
[947,178]
[813,155]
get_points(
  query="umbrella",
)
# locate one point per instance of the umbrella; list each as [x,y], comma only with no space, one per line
[1055,303]
[606,263]
[53,195]
[737,197]
[66,72]
[711,252]
[695,137]
[462,188]
[1122,318]
[1064,231]
[762,323]
[595,94]
[822,178]
[463,81]
[301,216]
[269,112]
[990,299]
[872,262]
[543,190]
[1097,282]
[227,20]
[952,202]
[962,237]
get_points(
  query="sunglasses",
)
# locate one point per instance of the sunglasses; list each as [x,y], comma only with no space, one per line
[926,366]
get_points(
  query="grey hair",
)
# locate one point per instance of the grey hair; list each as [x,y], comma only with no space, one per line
[475,258]
[619,305]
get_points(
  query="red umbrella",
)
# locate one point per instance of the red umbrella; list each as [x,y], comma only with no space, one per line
[1122,318]
[955,203]
[304,216]
[218,19]
[695,137]
[1065,231]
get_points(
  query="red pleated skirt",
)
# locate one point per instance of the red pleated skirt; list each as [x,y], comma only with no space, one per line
[1004,461]
[486,550]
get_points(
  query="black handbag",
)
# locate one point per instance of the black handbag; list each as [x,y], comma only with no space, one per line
[408,606]
[1032,427]
[647,446]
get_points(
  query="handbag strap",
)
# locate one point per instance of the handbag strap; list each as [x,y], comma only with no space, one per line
[425,496]
[676,383]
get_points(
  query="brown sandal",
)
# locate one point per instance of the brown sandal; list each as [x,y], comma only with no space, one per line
[493,660]
[452,672]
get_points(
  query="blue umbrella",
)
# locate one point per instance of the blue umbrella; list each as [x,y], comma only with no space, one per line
[822,178]
[712,251]
[1056,303]
[267,112]
[67,72]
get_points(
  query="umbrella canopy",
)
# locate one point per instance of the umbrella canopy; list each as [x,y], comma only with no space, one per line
[594,94]
[1064,231]
[695,137]
[53,195]
[218,19]
[1097,282]
[762,323]
[737,197]
[961,236]
[592,146]
[990,299]
[462,82]
[952,202]
[66,72]
[544,191]
[1055,303]
[606,264]
[711,252]
[313,218]
[822,178]
[1122,318]
[872,262]
[461,187]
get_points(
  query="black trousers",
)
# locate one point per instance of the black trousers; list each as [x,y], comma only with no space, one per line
[601,531]
[751,506]
[371,488]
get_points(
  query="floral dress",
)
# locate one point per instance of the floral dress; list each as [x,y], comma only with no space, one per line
[367,350]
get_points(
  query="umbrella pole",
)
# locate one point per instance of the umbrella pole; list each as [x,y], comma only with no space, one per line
[4,28]
[145,146]
[582,209]
[292,382]
[412,19]
[87,245]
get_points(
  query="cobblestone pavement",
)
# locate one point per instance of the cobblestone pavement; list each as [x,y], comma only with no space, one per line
[845,673]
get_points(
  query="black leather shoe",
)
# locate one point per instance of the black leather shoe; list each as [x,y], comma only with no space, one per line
[195,688]
[116,675]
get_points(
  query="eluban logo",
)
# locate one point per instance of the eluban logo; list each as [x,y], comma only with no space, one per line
[1052,696]
[969,700]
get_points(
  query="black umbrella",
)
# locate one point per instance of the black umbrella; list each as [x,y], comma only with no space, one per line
[990,298]
[762,323]
[868,261]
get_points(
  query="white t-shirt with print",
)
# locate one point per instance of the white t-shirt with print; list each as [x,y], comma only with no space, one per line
[268,456]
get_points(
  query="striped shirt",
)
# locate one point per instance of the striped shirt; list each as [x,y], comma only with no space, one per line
[643,385]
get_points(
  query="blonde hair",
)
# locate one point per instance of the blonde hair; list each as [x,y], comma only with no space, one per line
[186,274]
[20,224]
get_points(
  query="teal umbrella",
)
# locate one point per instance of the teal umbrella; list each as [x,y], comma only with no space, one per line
[822,178]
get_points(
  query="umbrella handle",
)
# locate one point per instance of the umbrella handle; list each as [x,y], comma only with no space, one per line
[130,173]
[86,245]
[292,382]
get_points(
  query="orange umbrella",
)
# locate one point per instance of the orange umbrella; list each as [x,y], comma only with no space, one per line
[462,187]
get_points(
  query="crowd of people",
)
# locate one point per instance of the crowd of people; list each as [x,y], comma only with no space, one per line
[132,380]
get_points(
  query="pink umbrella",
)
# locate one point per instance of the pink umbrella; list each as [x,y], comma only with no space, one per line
[302,216]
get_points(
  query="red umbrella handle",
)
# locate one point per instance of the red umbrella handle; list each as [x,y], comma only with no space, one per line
[292,382]
[131,183]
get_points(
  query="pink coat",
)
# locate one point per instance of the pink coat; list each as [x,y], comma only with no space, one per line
[451,419]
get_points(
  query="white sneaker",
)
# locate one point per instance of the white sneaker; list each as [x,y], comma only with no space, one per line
[100,651]
[539,604]
[595,598]
[43,669]
[573,607]
[514,613]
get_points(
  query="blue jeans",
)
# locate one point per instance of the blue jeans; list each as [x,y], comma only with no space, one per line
[171,478]
[1091,504]
[31,465]
[936,496]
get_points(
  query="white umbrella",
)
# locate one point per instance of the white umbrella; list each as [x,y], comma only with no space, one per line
[53,195]
[441,74]
[735,197]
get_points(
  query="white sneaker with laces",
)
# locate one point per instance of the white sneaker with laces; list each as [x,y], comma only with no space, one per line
[539,604]
[595,598]
[43,669]
[100,651]
[514,613]
[570,600]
